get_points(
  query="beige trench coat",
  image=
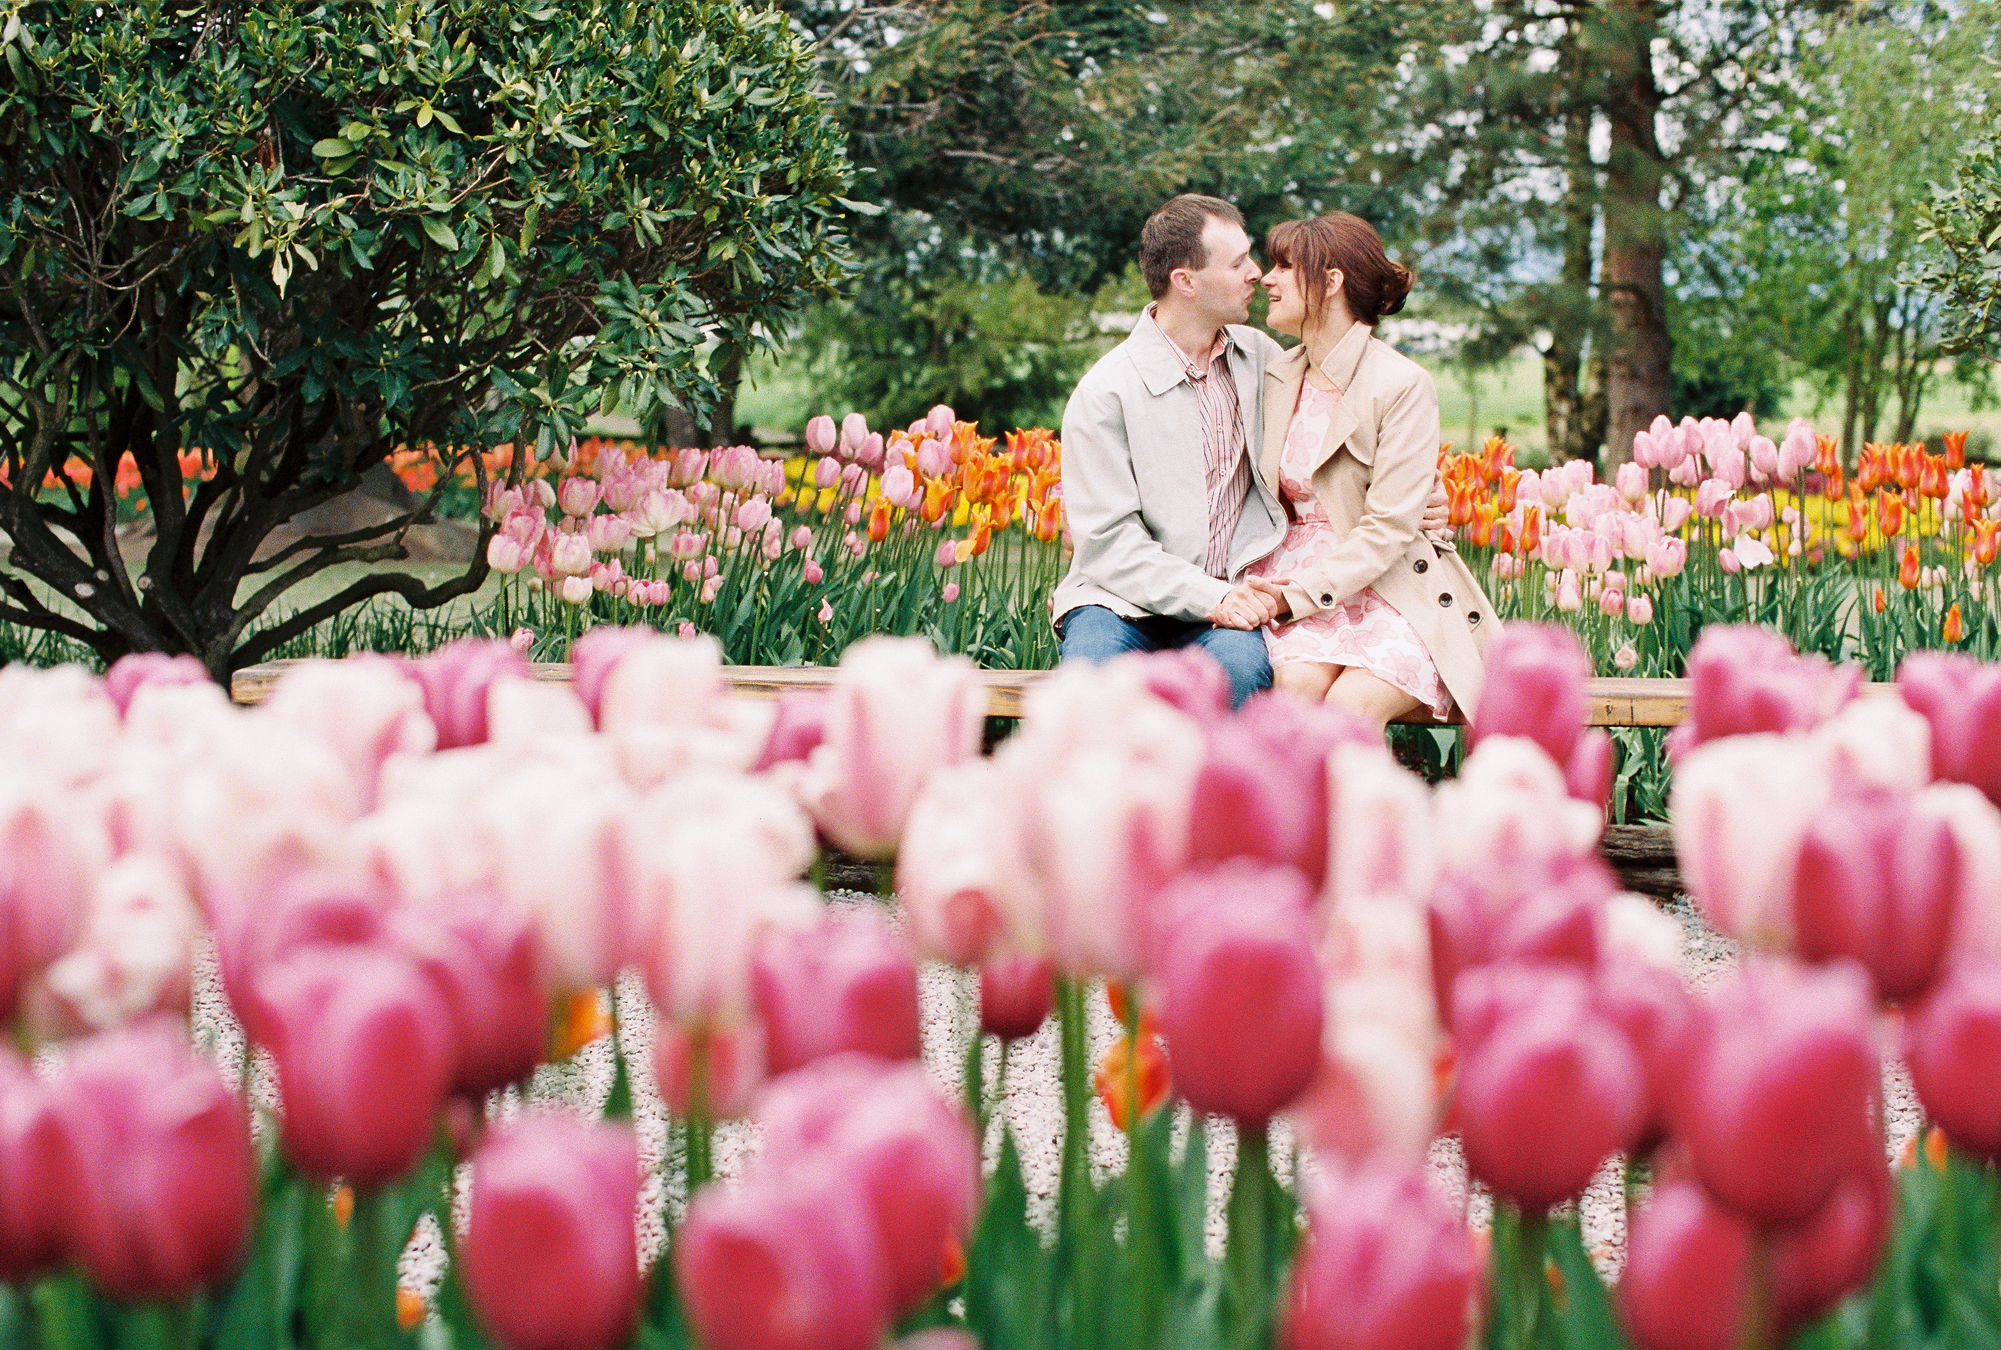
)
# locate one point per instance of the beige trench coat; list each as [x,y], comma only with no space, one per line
[1375,470]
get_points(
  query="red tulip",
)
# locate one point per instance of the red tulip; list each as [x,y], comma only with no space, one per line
[782,1261]
[1876,878]
[30,1160]
[1534,687]
[1775,1094]
[363,1043]
[1548,1086]
[1684,1285]
[551,1259]
[848,983]
[1961,698]
[1743,678]
[1386,1264]
[1818,1263]
[482,956]
[907,1152]
[1546,907]
[1953,1045]
[1016,994]
[1240,1004]
[158,1178]
[456,679]
[1262,789]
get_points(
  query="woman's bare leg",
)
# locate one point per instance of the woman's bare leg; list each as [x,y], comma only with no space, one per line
[1309,680]
[1369,697]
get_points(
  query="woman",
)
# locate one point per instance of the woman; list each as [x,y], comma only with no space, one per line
[1375,619]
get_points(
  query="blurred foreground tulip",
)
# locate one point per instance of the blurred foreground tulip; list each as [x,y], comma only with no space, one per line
[1534,687]
[1385,1264]
[1121,1080]
[480,954]
[1016,994]
[1876,880]
[456,680]
[1740,809]
[128,673]
[848,983]
[1262,789]
[1961,699]
[551,1259]
[1952,1042]
[30,1173]
[1743,679]
[158,1175]
[1240,991]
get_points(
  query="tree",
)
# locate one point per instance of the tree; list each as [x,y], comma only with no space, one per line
[1965,220]
[296,236]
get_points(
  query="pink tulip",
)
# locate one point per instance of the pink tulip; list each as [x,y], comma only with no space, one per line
[31,1157]
[506,554]
[1713,498]
[1548,1086]
[1386,1264]
[55,855]
[1651,1005]
[481,955]
[1774,1106]
[848,984]
[1875,881]
[608,534]
[906,1150]
[854,432]
[870,454]
[597,653]
[363,1043]
[782,1262]
[1639,609]
[457,679]
[686,466]
[940,421]
[754,514]
[1764,457]
[1818,1263]
[899,712]
[1744,678]
[948,553]
[551,1259]
[158,1178]
[1961,699]
[1569,594]
[1262,789]
[1953,1043]
[800,726]
[1534,687]
[950,593]
[899,488]
[710,1068]
[578,496]
[814,575]
[1189,680]
[1675,512]
[570,555]
[1645,455]
[1240,1003]
[1632,481]
[135,955]
[127,673]
[1740,807]
[967,890]
[821,435]
[1016,994]
[1612,602]
[1684,1286]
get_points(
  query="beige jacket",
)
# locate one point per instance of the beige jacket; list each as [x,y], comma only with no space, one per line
[1134,491]
[1376,468]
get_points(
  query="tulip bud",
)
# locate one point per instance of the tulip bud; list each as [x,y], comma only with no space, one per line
[821,435]
[1016,994]
[482,957]
[1875,880]
[1548,1086]
[363,1045]
[1241,1004]
[1952,1042]
[850,983]
[1774,1105]
[30,1173]
[1262,789]
[577,496]
[158,1174]
[551,1258]
[1386,1264]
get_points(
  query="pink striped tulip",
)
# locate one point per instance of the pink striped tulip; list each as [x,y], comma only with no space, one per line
[848,983]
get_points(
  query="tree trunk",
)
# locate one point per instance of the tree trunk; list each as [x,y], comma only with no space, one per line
[1640,352]
[722,418]
[1565,412]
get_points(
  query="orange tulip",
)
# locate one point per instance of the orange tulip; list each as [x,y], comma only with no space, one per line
[1890,510]
[1955,627]
[1986,540]
[1120,1079]
[1858,513]
[579,1021]
[1531,529]
[410,1308]
[1978,491]
[878,520]
[1880,603]
[1908,569]
[1910,463]
[1955,449]
[939,499]
[1496,457]
[1932,479]
[1481,528]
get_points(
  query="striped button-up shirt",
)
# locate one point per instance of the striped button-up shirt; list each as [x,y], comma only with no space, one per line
[1226,467]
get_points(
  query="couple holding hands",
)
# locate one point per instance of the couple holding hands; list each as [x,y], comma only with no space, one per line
[1269,505]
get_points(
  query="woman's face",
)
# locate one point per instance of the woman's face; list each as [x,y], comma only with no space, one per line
[1288,305]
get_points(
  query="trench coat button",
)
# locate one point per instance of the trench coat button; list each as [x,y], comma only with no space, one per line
[1420,565]
[1327,598]
[1445,599]
[1474,617]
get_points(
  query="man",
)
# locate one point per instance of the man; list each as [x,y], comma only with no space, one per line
[1159,482]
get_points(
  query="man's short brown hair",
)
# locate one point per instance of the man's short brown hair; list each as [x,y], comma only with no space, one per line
[1172,237]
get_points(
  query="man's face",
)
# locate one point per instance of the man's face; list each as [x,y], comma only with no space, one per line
[1228,277]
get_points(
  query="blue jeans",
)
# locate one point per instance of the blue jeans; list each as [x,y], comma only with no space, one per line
[1094,633]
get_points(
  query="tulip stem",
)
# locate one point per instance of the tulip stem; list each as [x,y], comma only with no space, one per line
[885,880]
[1248,1256]
[976,1085]
[1074,1184]
[1758,1305]
[1531,1283]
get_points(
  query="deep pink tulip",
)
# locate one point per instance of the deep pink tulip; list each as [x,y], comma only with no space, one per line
[1745,679]
[1952,1042]
[1818,1263]
[1240,991]
[551,1260]
[1386,1264]
[158,1178]
[1262,789]
[1961,698]
[1016,994]
[1545,907]
[800,726]
[128,673]
[905,1151]
[782,1262]
[1189,680]
[1876,879]
[1588,773]
[1548,1086]
[593,655]
[363,1043]
[299,910]
[30,1173]
[1534,687]
[456,678]
[483,957]
[898,711]
[1684,1285]
[1655,1010]
[720,1062]
[848,983]
[1774,1106]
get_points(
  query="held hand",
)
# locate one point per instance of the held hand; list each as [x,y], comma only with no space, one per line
[1274,589]
[1245,606]
[1437,523]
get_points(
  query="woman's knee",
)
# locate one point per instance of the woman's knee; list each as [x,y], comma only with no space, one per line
[1304,679]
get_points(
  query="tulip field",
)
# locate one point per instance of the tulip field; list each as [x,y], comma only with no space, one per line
[412,881]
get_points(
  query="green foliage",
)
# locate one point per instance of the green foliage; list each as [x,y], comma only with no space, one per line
[299,235]
[1964,218]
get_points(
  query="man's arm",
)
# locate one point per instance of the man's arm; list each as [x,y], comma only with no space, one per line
[1115,550]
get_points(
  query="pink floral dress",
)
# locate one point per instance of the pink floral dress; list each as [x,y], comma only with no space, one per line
[1364,631]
